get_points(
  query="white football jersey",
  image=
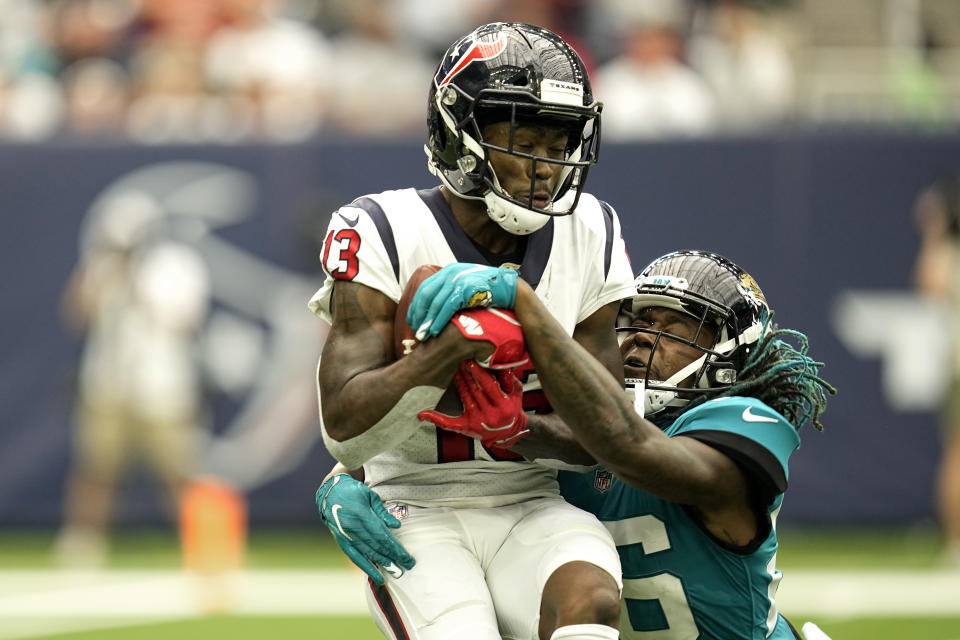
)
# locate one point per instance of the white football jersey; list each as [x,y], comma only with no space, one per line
[575,263]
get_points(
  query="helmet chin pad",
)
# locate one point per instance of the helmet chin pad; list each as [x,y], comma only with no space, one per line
[513,218]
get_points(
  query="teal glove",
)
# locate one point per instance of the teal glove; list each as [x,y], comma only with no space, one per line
[459,285]
[361,526]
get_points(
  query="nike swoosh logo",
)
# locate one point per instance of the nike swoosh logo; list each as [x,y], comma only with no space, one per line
[506,426]
[351,222]
[752,417]
[336,519]
[479,267]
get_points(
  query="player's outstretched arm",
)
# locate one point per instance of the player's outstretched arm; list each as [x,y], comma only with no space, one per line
[591,401]
[550,438]
[361,525]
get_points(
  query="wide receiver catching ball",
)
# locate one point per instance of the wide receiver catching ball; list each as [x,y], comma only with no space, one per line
[497,326]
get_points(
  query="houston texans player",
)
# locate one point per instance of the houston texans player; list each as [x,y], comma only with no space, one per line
[513,129]
[691,491]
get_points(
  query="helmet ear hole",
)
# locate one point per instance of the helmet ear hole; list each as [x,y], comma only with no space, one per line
[519,80]
[725,376]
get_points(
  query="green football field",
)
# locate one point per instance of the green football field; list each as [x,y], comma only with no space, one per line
[855,585]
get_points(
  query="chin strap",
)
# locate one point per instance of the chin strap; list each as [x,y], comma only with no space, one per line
[748,336]
[659,399]
[512,217]
[636,391]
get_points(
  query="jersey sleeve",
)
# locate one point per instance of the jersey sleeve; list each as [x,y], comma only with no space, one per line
[354,251]
[616,281]
[758,438]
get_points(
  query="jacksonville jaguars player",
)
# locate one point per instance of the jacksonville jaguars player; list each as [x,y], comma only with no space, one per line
[695,463]
[513,129]
[696,486]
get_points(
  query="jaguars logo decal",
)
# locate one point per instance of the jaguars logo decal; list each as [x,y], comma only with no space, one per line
[751,288]
[480,299]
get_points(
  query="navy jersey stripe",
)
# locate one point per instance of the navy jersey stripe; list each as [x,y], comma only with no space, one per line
[608,227]
[463,249]
[389,609]
[538,252]
[539,243]
[375,211]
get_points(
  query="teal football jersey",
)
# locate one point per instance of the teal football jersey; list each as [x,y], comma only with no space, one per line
[680,583]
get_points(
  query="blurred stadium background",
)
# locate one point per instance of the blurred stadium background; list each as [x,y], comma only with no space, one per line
[790,135]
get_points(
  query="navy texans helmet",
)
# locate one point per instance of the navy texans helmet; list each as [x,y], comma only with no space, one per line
[510,72]
[718,294]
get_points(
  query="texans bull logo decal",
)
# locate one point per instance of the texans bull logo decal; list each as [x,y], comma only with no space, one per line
[477,51]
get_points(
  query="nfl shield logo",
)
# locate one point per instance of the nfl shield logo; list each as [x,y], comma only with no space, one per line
[398,511]
[602,480]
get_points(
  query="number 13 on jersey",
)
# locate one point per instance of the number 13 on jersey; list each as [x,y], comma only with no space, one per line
[340,254]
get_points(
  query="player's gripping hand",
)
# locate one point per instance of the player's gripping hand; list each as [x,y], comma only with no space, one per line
[492,407]
[501,329]
[459,285]
[361,526]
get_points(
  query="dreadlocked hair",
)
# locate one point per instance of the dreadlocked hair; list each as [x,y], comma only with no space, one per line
[782,376]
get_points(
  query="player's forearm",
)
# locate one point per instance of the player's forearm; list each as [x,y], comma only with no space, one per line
[595,408]
[355,406]
[588,398]
[375,415]
[550,438]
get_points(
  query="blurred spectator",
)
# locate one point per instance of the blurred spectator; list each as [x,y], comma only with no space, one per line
[139,302]
[168,98]
[91,40]
[279,67]
[31,101]
[937,275]
[379,78]
[431,26]
[566,18]
[82,29]
[95,95]
[919,91]
[31,106]
[745,63]
[168,88]
[24,46]
[647,90]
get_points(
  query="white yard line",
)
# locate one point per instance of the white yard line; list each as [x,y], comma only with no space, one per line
[40,602]
[850,594]
[36,603]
